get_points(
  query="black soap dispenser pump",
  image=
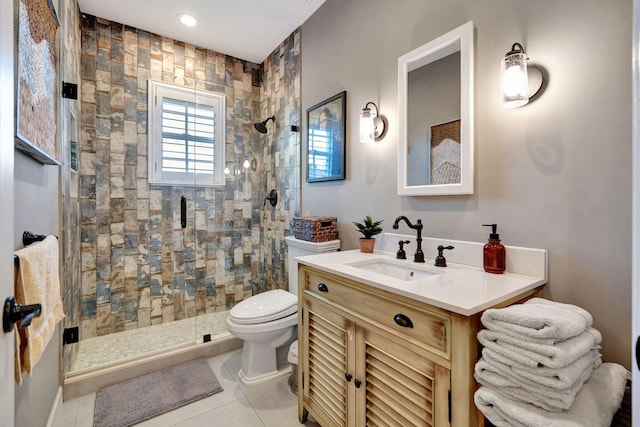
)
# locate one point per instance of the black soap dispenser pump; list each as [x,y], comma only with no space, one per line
[494,254]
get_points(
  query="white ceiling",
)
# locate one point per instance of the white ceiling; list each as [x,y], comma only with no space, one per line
[246,29]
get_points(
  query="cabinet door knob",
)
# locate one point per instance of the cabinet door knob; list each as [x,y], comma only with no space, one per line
[322,287]
[348,377]
[357,383]
[403,321]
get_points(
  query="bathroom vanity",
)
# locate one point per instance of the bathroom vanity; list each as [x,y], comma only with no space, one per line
[392,342]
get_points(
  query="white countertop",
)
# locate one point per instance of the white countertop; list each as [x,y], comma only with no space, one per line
[459,288]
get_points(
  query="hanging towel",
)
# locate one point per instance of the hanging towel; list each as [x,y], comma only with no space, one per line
[38,282]
[17,364]
[539,319]
[555,378]
[525,391]
[594,406]
[536,355]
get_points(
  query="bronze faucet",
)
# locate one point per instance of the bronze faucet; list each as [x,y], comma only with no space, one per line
[419,255]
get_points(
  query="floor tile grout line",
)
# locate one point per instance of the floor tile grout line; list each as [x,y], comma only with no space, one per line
[264,424]
[235,380]
[181,422]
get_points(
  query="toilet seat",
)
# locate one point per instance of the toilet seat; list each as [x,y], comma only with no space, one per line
[264,307]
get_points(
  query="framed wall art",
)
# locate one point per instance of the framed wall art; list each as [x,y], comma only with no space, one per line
[37,80]
[326,138]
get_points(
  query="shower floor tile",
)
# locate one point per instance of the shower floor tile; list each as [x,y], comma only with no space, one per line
[107,349]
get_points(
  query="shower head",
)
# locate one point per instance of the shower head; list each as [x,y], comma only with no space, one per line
[262,126]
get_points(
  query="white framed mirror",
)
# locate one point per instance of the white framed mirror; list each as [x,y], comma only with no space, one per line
[435,113]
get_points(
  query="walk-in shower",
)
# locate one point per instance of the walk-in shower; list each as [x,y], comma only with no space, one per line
[166,249]
[151,283]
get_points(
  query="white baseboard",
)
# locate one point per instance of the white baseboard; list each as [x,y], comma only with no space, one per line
[56,415]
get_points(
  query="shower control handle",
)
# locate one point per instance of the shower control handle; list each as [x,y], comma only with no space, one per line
[322,287]
[272,198]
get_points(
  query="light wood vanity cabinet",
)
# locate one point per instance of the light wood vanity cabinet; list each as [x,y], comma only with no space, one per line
[368,357]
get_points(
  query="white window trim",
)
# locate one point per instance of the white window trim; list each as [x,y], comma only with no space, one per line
[156,91]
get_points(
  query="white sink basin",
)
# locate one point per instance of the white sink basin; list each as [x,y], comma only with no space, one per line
[395,269]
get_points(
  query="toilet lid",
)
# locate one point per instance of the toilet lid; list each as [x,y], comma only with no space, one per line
[265,307]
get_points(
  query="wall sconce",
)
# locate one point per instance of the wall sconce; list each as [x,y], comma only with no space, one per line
[231,169]
[518,82]
[372,126]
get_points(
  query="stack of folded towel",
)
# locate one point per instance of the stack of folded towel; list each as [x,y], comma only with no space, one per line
[535,362]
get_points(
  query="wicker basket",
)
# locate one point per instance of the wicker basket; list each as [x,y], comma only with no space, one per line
[315,228]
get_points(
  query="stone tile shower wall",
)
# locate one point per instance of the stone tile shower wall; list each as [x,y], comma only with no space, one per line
[280,97]
[70,211]
[138,266]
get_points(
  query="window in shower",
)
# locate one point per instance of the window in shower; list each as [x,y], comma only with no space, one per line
[186,135]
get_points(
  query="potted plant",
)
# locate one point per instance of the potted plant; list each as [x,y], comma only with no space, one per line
[368,228]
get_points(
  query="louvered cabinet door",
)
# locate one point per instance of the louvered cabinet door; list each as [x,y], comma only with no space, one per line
[328,338]
[399,387]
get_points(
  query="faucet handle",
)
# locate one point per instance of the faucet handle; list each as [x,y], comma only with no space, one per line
[440,260]
[401,254]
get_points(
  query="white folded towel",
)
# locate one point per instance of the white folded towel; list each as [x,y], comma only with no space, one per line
[594,406]
[555,378]
[525,391]
[537,355]
[539,319]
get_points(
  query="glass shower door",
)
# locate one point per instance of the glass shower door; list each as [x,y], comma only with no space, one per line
[208,230]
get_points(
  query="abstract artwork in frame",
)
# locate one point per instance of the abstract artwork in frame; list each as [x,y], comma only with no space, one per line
[37,80]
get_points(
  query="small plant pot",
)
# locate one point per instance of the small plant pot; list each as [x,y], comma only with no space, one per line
[367,245]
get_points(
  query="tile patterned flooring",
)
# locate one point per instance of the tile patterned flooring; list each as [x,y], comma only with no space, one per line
[121,346]
[267,405]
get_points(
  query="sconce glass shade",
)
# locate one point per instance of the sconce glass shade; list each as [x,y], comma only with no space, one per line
[367,127]
[514,81]
[371,126]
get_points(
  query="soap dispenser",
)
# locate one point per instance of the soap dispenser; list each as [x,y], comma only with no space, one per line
[494,253]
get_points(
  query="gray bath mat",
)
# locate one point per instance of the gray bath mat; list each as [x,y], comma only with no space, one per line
[150,395]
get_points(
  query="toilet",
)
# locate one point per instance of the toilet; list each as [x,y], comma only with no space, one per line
[268,322]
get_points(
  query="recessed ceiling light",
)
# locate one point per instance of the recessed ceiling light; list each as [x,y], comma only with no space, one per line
[188,20]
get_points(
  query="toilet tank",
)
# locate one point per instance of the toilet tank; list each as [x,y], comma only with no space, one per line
[296,248]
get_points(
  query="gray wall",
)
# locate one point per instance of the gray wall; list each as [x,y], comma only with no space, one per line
[36,210]
[555,174]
